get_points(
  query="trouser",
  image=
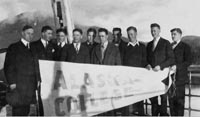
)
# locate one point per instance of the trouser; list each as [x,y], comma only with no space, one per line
[138,108]
[156,109]
[40,104]
[20,110]
[177,103]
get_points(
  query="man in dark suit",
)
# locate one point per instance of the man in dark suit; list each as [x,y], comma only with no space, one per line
[117,40]
[134,56]
[61,45]
[105,53]
[76,52]
[20,72]
[159,56]
[90,43]
[43,48]
[183,59]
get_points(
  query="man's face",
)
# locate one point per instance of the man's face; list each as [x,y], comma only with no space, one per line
[61,37]
[155,32]
[28,34]
[90,37]
[175,36]
[116,35]
[103,37]
[47,35]
[77,37]
[132,35]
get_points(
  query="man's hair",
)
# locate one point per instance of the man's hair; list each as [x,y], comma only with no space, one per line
[61,30]
[103,30]
[117,29]
[78,30]
[155,25]
[92,30]
[45,28]
[26,27]
[131,28]
[177,30]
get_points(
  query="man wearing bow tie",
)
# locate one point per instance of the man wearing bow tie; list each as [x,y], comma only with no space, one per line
[20,71]
[159,56]
[61,45]
[76,52]
[183,59]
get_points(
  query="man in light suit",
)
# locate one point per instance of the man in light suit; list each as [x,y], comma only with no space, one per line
[76,52]
[105,53]
[183,59]
[159,56]
[21,74]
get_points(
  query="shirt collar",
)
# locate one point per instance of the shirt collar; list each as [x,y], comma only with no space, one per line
[105,44]
[24,41]
[133,44]
[75,44]
[62,44]
[157,39]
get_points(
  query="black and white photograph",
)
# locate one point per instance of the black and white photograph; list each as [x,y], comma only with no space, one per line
[100,58]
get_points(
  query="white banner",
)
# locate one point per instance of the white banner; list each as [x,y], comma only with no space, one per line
[86,89]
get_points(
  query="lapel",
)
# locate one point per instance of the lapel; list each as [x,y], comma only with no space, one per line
[108,51]
[158,45]
[98,52]
[41,44]
[177,47]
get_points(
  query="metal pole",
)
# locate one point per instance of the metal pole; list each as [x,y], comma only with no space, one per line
[190,83]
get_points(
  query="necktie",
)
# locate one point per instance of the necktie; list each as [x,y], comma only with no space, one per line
[102,52]
[154,44]
[77,48]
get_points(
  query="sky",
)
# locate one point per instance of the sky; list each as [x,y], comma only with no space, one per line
[121,13]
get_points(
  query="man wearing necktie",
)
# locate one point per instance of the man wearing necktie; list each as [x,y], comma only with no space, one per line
[183,59]
[20,71]
[76,52]
[159,56]
[105,53]
[61,45]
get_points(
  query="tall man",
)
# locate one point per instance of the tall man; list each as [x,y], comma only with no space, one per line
[20,72]
[135,56]
[105,53]
[76,51]
[43,48]
[117,40]
[159,56]
[183,59]
[61,45]
[90,43]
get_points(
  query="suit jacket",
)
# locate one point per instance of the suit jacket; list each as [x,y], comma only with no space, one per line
[70,54]
[183,59]
[111,55]
[135,56]
[20,69]
[162,55]
[122,46]
[58,51]
[41,52]
[90,47]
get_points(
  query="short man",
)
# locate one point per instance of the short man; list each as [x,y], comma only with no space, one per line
[183,59]
[61,45]
[135,56]
[76,51]
[43,48]
[105,53]
[117,40]
[90,43]
[159,56]
[20,72]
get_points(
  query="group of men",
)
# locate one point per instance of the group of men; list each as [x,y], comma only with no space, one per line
[22,69]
